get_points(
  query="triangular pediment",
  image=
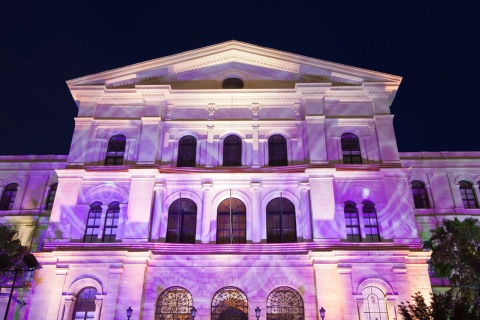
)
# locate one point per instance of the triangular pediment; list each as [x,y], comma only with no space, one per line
[259,67]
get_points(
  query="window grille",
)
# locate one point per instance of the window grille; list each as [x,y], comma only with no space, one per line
[285,303]
[375,306]
[174,303]
[229,303]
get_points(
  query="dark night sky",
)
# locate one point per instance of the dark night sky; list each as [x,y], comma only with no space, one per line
[431,44]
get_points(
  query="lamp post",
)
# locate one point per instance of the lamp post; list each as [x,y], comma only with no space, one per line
[129,312]
[257,312]
[7,265]
[193,313]
[322,313]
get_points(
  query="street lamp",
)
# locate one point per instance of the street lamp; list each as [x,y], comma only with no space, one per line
[193,313]
[7,265]
[257,312]
[322,313]
[129,312]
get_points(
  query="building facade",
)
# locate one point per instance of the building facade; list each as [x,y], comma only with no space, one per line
[228,178]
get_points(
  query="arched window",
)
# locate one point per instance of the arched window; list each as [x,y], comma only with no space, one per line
[229,303]
[182,221]
[174,303]
[187,151]
[51,196]
[111,222]
[8,196]
[352,224]
[285,303]
[115,150]
[374,305]
[351,149]
[370,222]
[93,222]
[85,304]
[281,225]
[468,195]
[232,151]
[231,221]
[420,197]
[277,151]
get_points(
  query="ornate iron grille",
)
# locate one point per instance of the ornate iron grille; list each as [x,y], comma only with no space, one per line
[174,303]
[229,303]
[285,303]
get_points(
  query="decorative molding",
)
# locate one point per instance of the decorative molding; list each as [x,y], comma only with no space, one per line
[234,100]
[255,111]
[347,97]
[211,111]
[168,111]
[88,97]
[313,94]
[153,96]
[121,100]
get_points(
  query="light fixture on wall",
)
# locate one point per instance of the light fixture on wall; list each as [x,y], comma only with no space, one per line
[129,312]
[193,313]
[257,312]
[322,313]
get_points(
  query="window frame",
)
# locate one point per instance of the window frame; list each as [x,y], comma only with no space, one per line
[277,301]
[350,217]
[174,301]
[51,196]
[351,154]
[238,218]
[277,151]
[94,213]
[110,226]
[113,156]
[232,151]
[467,193]
[8,197]
[420,195]
[185,148]
[181,233]
[278,224]
[89,305]
[369,214]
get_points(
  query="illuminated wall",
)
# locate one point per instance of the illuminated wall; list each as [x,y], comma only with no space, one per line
[336,157]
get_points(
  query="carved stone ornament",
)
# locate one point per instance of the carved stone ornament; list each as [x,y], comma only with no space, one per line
[211,111]
[168,111]
[255,111]
[297,111]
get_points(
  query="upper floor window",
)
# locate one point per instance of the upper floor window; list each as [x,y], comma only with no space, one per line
[352,224]
[420,197]
[8,196]
[111,222]
[232,151]
[174,303]
[468,195]
[93,222]
[374,306]
[187,151]
[351,149]
[281,225]
[277,151]
[370,222]
[115,150]
[85,304]
[51,196]
[285,303]
[231,221]
[229,303]
[182,221]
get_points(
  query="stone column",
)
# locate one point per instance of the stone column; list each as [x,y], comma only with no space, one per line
[256,220]
[69,303]
[156,231]
[101,227]
[360,306]
[255,145]
[207,199]
[391,303]
[209,147]
[303,187]
[300,156]
[98,309]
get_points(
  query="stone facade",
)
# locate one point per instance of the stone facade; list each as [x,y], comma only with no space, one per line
[284,181]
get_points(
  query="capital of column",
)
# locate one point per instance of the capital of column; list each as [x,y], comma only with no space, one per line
[207,186]
[255,186]
[98,302]
[69,302]
[159,187]
[210,128]
[255,128]
[303,186]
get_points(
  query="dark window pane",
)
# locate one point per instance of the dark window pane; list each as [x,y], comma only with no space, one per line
[285,303]
[281,224]
[115,150]
[93,222]
[420,197]
[51,196]
[182,221]
[351,149]
[352,222]
[370,222]
[85,304]
[187,150]
[111,222]
[232,151]
[229,303]
[277,151]
[231,221]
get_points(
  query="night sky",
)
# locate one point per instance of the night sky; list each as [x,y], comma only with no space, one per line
[433,45]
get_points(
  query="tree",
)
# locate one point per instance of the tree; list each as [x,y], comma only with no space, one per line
[15,251]
[456,255]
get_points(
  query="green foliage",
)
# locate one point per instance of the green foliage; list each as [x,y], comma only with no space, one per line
[443,306]
[14,249]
